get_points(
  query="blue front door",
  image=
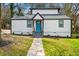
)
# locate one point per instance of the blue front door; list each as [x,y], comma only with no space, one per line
[38,26]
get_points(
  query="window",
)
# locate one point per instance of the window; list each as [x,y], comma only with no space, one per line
[61,23]
[29,23]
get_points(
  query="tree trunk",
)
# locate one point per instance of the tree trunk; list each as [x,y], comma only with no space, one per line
[0,29]
[74,24]
[11,11]
[0,22]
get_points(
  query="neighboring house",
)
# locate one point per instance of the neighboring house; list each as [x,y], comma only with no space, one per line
[46,21]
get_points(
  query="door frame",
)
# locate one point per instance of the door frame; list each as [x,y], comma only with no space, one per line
[34,22]
[37,27]
[42,25]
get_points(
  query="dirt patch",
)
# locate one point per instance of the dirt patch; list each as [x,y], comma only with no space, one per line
[6,40]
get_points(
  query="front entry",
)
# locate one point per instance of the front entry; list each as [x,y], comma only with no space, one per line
[38,26]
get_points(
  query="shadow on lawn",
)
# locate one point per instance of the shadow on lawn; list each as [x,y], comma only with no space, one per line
[5,43]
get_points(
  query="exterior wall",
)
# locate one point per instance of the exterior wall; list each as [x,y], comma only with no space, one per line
[55,11]
[20,27]
[51,27]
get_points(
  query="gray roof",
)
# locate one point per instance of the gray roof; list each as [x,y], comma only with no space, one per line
[23,17]
[47,16]
[45,8]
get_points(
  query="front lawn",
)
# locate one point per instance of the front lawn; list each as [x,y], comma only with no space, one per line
[19,46]
[61,46]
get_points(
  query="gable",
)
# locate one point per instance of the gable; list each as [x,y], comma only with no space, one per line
[38,16]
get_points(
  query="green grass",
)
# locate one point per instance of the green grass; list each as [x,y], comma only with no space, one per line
[61,46]
[19,46]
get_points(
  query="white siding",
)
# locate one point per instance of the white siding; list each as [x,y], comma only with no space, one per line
[20,27]
[45,11]
[51,28]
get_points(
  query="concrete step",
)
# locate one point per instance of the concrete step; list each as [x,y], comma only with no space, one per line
[37,35]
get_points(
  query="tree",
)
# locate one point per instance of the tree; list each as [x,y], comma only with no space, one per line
[0,21]
[71,9]
[11,10]
[4,15]
[20,10]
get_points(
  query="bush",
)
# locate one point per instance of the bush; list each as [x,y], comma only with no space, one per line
[75,35]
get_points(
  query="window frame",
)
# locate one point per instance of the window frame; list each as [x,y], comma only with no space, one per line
[29,22]
[61,23]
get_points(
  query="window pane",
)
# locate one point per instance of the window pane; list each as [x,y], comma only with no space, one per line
[61,23]
[29,23]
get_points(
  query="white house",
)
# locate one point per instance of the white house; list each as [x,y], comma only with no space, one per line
[42,21]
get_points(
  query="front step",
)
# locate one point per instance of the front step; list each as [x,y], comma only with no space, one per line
[37,35]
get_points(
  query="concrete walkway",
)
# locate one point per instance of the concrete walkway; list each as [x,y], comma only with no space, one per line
[36,48]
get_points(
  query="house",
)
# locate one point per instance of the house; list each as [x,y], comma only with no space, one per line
[43,21]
